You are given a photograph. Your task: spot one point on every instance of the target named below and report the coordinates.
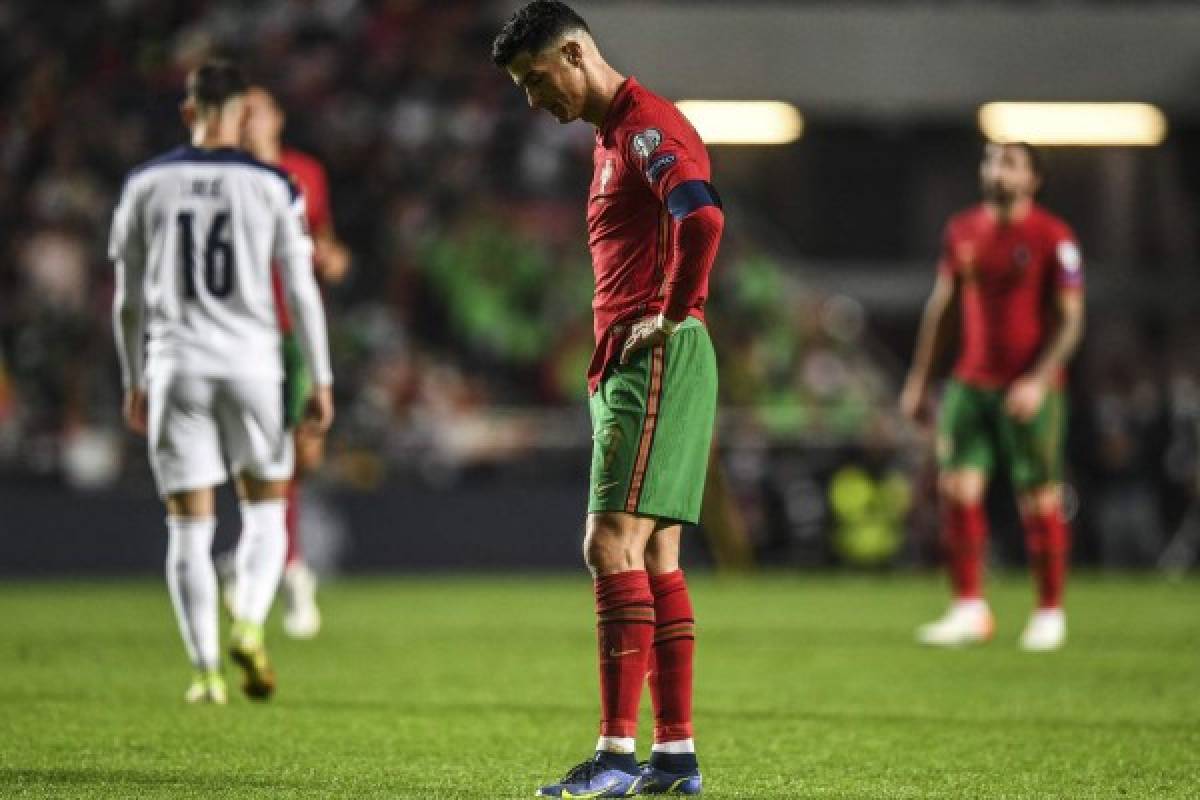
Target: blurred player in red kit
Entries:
(1012, 273)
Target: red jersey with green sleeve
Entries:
(308, 174)
(644, 149)
(1010, 274)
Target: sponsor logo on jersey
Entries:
(1021, 256)
(646, 142)
(658, 166)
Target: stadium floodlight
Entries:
(744, 122)
(1074, 124)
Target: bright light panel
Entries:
(737, 122)
(1089, 124)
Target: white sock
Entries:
(976, 605)
(678, 746)
(192, 584)
(261, 551)
(617, 744)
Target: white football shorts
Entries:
(202, 429)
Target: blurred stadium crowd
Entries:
(462, 335)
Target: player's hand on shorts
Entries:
(644, 333)
(318, 416)
(1025, 397)
(135, 410)
(912, 400)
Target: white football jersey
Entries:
(194, 238)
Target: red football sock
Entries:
(292, 520)
(964, 532)
(625, 632)
(671, 663)
(1048, 543)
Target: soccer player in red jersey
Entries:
(1013, 273)
(262, 135)
(654, 225)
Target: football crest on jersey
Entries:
(646, 142)
(1020, 256)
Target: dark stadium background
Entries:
(461, 337)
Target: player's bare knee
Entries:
(658, 562)
(257, 490)
(606, 554)
(662, 551)
(609, 546)
(1041, 500)
(191, 503)
(961, 488)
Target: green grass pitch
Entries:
(807, 687)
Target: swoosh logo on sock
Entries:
(613, 653)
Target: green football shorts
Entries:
(652, 426)
(975, 432)
(297, 381)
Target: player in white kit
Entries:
(194, 237)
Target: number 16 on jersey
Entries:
(219, 263)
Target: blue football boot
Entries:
(603, 775)
(671, 775)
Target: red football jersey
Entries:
(309, 175)
(644, 149)
(1010, 274)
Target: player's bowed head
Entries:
(549, 53)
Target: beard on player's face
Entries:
(998, 191)
(1004, 180)
(561, 98)
(995, 192)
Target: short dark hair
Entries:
(532, 28)
(215, 82)
(1036, 162)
